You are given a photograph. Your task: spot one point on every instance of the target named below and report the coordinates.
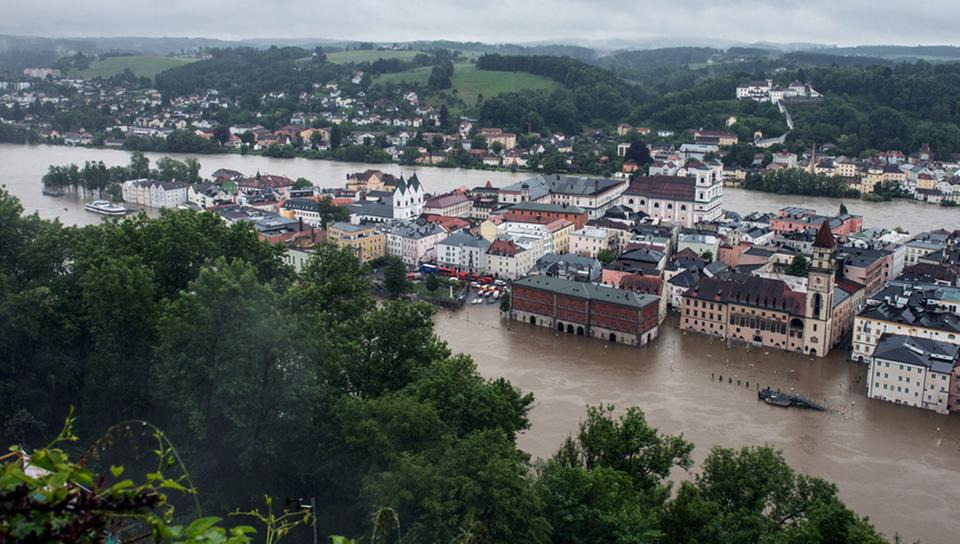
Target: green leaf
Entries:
(200, 525)
(116, 471)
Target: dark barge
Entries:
(776, 397)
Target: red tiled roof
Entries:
(649, 285)
(663, 187)
(506, 248)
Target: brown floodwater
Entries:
(890, 462)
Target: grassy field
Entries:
(343, 57)
(141, 66)
(470, 82)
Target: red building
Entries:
(805, 219)
(585, 309)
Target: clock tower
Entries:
(818, 314)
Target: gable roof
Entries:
(589, 291)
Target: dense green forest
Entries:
(591, 94)
(879, 107)
(269, 382)
(251, 72)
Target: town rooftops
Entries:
(933, 354)
(748, 290)
(464, 239)
(505, 248)
(547, 208)
(413, 230)
(371, 208)
(587, 291)
(302, 204)
(445, 201)
(911, 314)
(343, 226)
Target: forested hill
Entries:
(251, 71)
(591, 94)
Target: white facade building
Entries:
(912, 371)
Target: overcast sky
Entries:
(845, 22)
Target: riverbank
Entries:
(24, 165)
(889, 461)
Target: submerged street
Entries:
(900, 466)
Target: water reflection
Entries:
(883, 457)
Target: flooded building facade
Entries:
(585, 309)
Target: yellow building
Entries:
(847, 168)
(870, 179)
(560, 230)
(926, 181)
(488, 228)
(367, 241)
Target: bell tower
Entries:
(820, 284)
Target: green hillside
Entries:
(142, 66)
(343, 57)
(469, 81)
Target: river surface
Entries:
(890, 462)
(900, 466)
(21, 168)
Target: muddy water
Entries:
(21, 168)
(889, 461)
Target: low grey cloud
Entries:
(824, 21)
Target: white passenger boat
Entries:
(104, 207)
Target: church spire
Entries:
(825, 237)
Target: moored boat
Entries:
(53, 192)
(104, 207)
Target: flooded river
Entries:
(21, 168)
(890, 462)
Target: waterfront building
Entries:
(450, 204)
(905, 317)
(366, 241)
(593, 195)
(585, 309)
(768, 311)
(792, 219)
(155, 194)
(685, 200)
(913, 371)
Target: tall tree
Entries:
(395, 277)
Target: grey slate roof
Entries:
(913, 315)
(465, 239)
(588, 291)
(933, 354)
